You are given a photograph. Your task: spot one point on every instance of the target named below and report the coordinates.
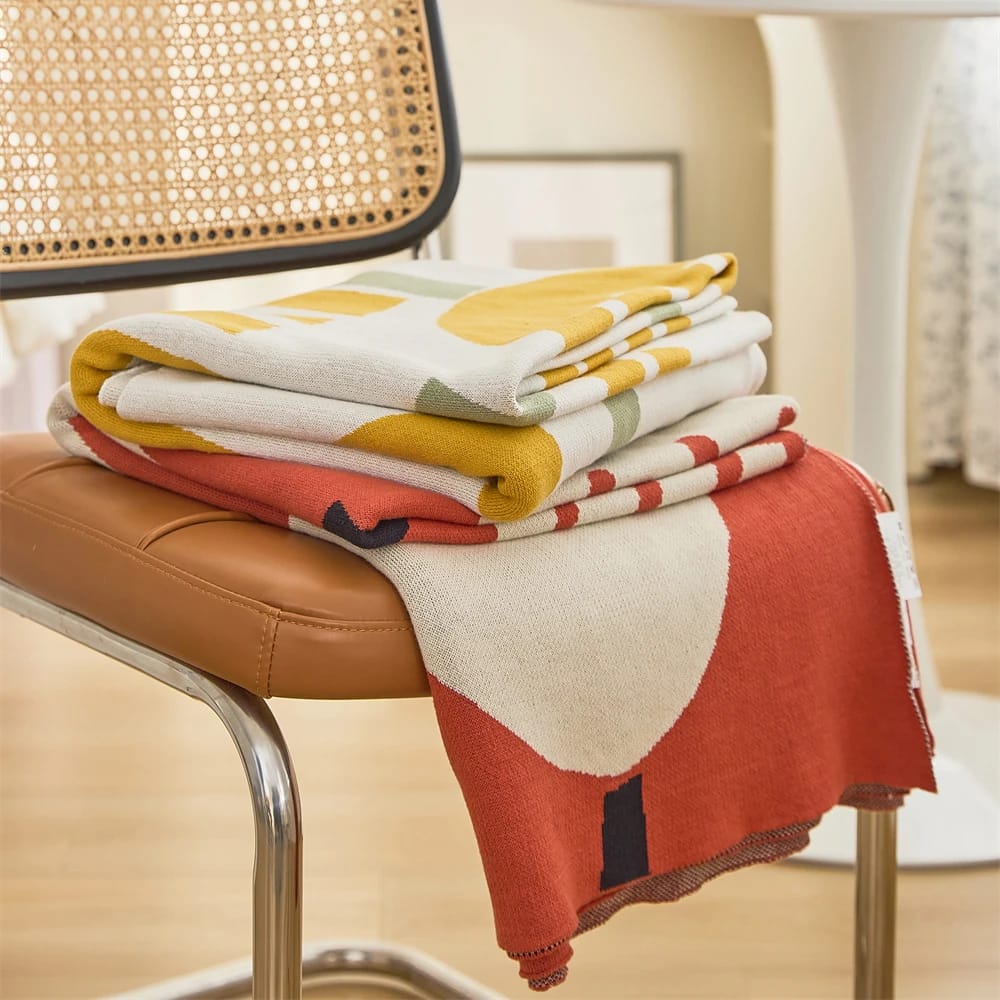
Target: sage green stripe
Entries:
(414, 285)
(436, 397)
(624, 410)
(537, 407)
(657, 314)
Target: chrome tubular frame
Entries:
(279, 961)
(875, 906)
(277, 876)
(369, 961)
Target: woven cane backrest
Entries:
(143, 142)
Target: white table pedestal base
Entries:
(958, 826)
(880, 70)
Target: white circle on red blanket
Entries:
(635, 664)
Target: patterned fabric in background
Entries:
(958, 263)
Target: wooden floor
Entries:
(125, 846)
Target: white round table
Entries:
(828, 8)
(879, 56)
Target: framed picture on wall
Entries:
(548, 212)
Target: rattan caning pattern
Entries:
(133, 130)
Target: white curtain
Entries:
(957, 261)
(31, 366)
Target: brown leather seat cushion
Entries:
(274, 611)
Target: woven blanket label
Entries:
(897, 548)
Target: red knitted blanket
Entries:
(806, 698)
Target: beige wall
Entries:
(544, 76)
(812, 351)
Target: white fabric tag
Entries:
(897, 548)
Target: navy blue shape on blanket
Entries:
(623, 834)
(338, 522)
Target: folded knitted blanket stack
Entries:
(436, 402)
(634, 708)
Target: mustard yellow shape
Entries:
(569, 303)
(670, 359)
(639, 338)
(102, 354)
(621, 375)
(227, 322)
(566, 373)
(523, 465)
(309, 320)
(339, 302)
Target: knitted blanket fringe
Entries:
(668, 887)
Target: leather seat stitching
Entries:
(350, 628)
(260, 659)
(69, 524)
(67, 461)
(270, 659)
(42, 514)
(188, 521)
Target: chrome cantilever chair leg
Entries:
(278, 963)
(875, 906)
(277, 888)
